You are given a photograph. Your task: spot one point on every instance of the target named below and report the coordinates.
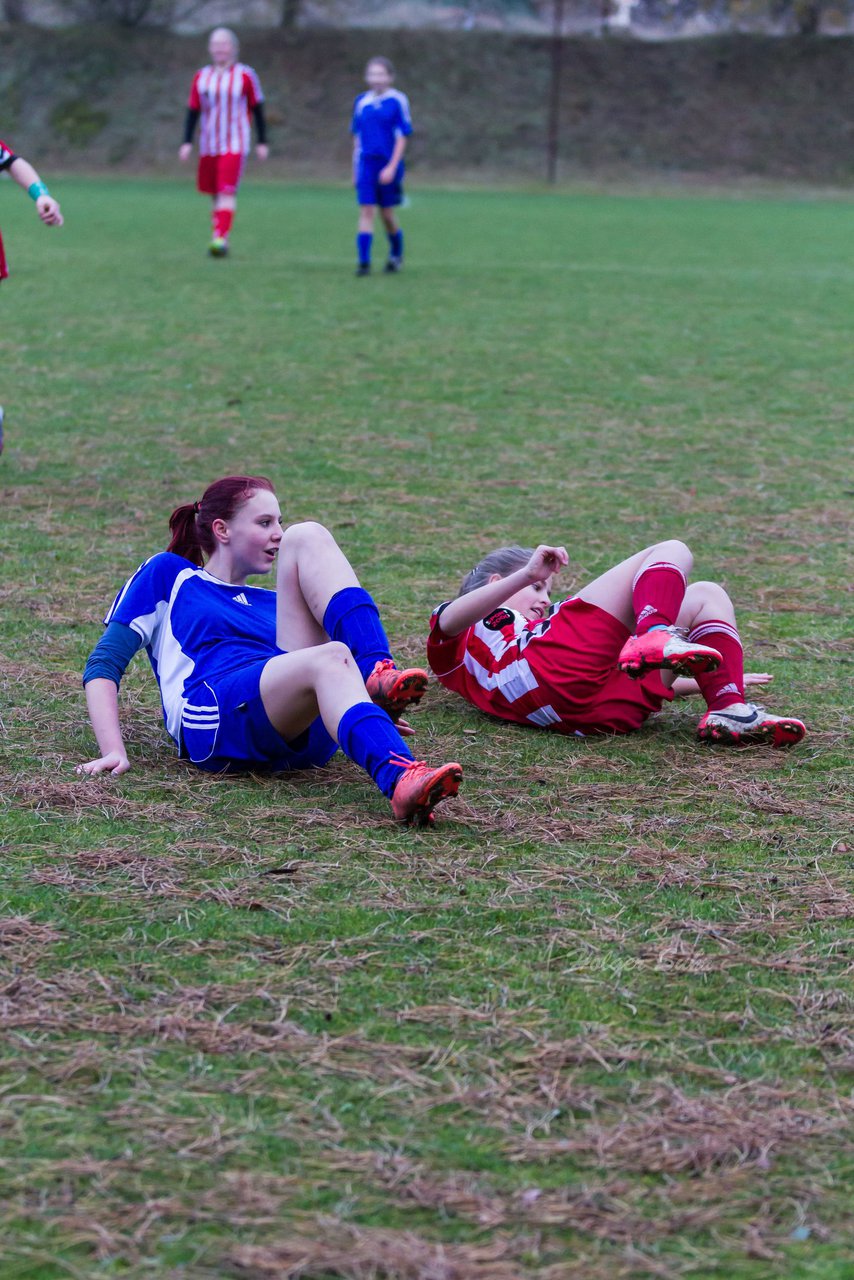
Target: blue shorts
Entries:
(369, 189)
(225, 729)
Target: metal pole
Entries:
(553, 135)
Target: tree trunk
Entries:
(290, 12)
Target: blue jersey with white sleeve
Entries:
(196, 629)
(379, 119)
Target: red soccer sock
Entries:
(221, 221)
(657, 594)
(724, 687)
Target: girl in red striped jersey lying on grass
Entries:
(606, 659)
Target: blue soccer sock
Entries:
(353, 618)
(395, 240)
(368, 737)
(364, 240)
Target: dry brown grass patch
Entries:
(669, 1132)
(358, 1253)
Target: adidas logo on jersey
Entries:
(240, 598)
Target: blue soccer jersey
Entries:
(379, 120)
(196, 629)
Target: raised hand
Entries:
(545, 561)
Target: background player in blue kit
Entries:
(262, 680)
(381, 125)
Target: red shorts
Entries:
(575, 660)
(220, 175)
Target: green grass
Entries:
(597, 1024)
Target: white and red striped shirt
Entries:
(553, 672)
(225, 96)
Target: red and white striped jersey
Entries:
(558, 673)
(225, 96)
(487, 663)
(7, 155)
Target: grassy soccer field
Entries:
(598, 1023)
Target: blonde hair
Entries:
(232, 35)
(503, 561)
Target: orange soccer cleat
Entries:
(748, 722)
(421, 788)
(396, 691)
(666, 649)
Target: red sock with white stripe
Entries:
(724, 687)
(222, 220)
(657, 594)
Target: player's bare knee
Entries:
(308, 533)
(676, 552)
(334, 654)
(326, 662)
(711, 593)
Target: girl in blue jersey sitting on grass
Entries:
(252, 679)
(381, 124)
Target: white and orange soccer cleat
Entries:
(748, 722)
(421, 788)
(394, 690)
(666, 649)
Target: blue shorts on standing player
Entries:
(369, 189)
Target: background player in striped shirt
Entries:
(605, 660)
(223, 94)
(380, 126)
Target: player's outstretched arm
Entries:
(102, 676)
(102, 698)
(25, 176)
(466, 610)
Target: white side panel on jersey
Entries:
(514, 681)
(174, 667)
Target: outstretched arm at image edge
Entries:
(27, 177)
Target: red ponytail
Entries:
(191, 525)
